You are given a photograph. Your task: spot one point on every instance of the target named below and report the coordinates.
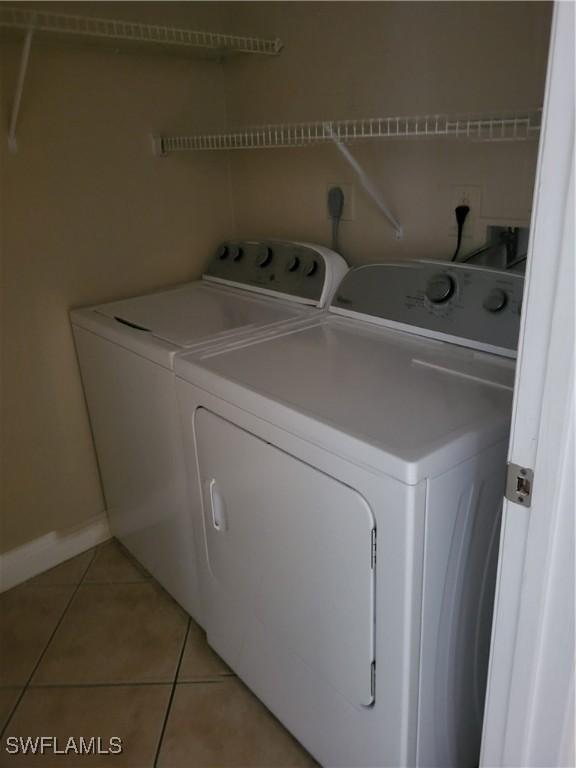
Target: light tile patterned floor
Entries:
(95, 647)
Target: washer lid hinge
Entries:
(519, 484)
(373, 549)
(373, 680)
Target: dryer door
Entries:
(290, 549)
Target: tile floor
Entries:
(95, 647)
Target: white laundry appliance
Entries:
(348, 479)
(126, 351)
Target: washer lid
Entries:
(190, 313)
(409, 406)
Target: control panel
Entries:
(299, 270)
(472, 306)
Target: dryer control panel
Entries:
(469, 305)
(300, 271)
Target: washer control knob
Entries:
(264, 258)
(311, 269)
(237, 253)
(495, 301)
(293, 264)
(222, 252)
(440, 288)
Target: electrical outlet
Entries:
(472, 197)
(349, 209)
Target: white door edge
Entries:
(529, 714)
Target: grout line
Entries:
(90, 583)
(207, 678)
(58, 623)
(128, 683)
(96, 548)
(172, 692)
(208, 681)
(108, 582)
(125, 684)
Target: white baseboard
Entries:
(22, 563)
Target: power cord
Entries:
(335, 208)
(461, 212)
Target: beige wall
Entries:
(2, 323)
(346, 60)
(90, 215)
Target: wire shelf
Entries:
(509, 127)
(114, 29)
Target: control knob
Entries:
(222, 252)
(237, 252)
(311, 269)
(264, 258)
(440, 288)
(293, 264)
(495, 301)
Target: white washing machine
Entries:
(126, 351)
(348, 479)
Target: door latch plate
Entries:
(519, 483)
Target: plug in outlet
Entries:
(472, 197)
(349, 209)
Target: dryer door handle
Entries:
(217, 507)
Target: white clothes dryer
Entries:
(126, 351)
(346, 481)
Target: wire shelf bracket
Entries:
(24, 59)
(369, 187)
(518, 126)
